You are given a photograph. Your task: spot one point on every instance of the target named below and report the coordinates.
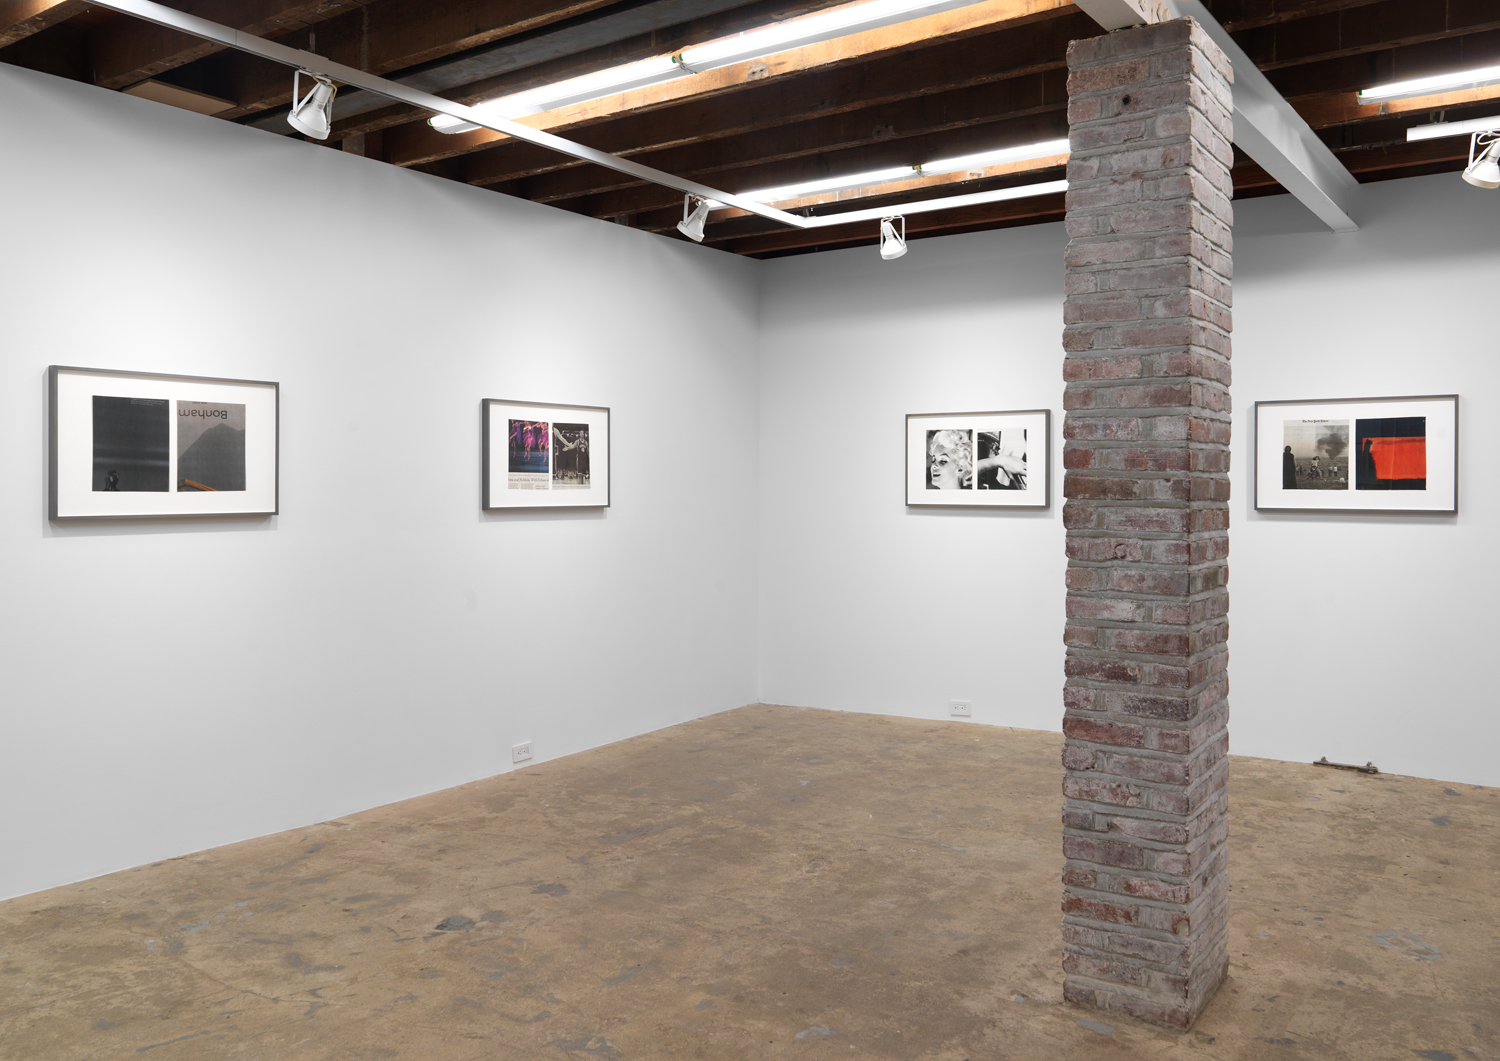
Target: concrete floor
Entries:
(769, 882)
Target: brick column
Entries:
(1146, 457)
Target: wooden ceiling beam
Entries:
(1374, 27)
(1353, 72)
(1239, 16)
(1001, 114)
(383, 37)
(821, 78)
(1027, 52)
(813, 166)
(19, 19)
(572, 49)
(1343, 109)
(125, 51)
(627, 135)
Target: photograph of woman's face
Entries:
(950, 460)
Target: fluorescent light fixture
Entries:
(923, 206)
(694, 216)
(996, 158)
(1432, 132)
(801, 32)
(1429, 86)
(898, 173)
(312, 115)
(892, 243)
(831, 184)
(750, 45)
(1483, 170)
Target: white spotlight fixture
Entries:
(694, 217)
(312, 115)
(892, 243)
(1429, 86)
(1483, 170)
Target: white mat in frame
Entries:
(150, 445)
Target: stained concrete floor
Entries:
(769, 882)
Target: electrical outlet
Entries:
(961, 708)
(520, 752)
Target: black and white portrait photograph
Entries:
(1375, 455)
(570, 456)
(981, 460)
(131, 444)
(154, 445)
(543, 455)
(1315, 455)
(950, 460)
(210, 446)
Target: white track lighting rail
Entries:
(294, 59)
(316, 64)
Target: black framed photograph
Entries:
(148, 445)
(543, 455)
(1386, 455)
(979, 460)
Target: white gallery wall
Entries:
(866, 604)
(168, 687)
(1362, 638)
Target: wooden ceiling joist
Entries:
(982, 77)
(19, 19)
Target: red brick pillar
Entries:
(1146, 459)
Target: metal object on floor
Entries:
(1368, 768)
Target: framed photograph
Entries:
(1357, 455)
(979, 460)
(540, 455)
(147, 445)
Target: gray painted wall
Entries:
(1355, 637)
(170, 687)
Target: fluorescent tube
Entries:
(831, 184)
(923, 206)
(1428, 86)
(898, 173)
(804, 31)
(750, 45)
(996, 158)
(1432, 132)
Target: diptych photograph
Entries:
(1358, 455)
(995, 459)
(131, 444)
(541, 455)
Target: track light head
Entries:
(892, 243)
(312, 115)
(694, 217)
(1483, 170)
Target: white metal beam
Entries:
(1265, 126)
(348, 75)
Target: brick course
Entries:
(1146, 460)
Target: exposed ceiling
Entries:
(987, 76)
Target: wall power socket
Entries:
(520, 752)
(961, 708)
